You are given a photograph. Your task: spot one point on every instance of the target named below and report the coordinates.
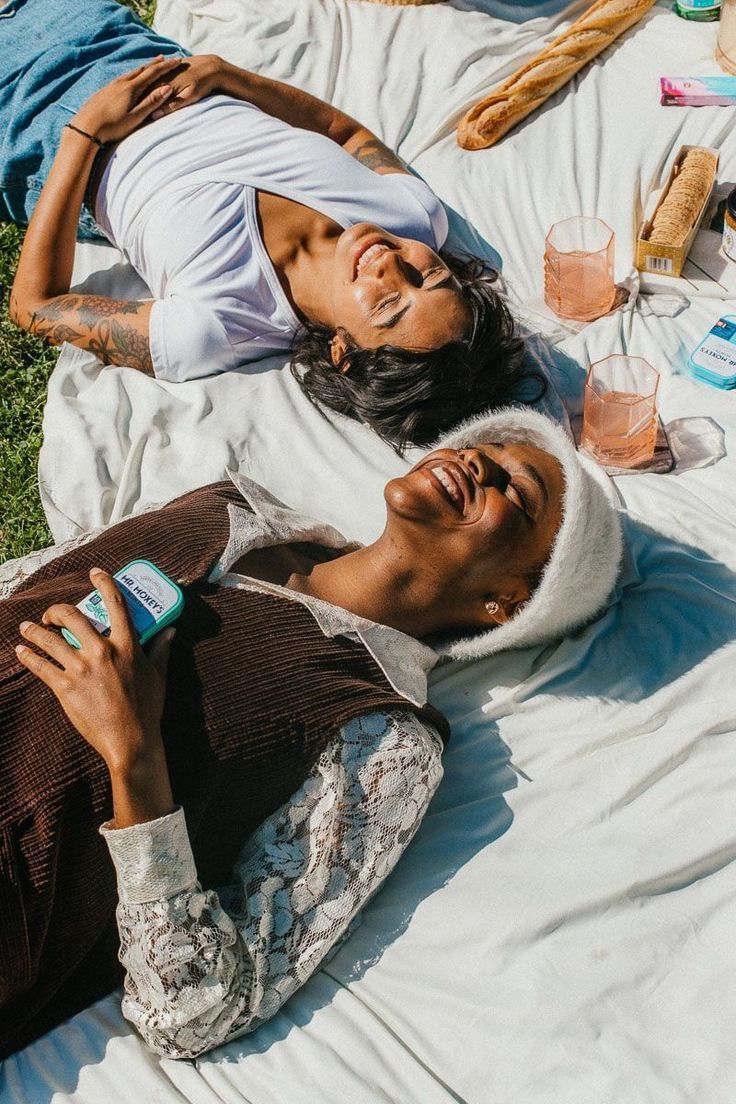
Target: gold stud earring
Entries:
(492, 607)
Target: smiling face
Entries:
(387, 290)
(480, 521)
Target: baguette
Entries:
(528, 88)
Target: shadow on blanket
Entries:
(519, 12)
(677, 607)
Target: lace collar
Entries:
(404, 660)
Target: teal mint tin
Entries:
(714, 359)
(153, 600)
(704, 11)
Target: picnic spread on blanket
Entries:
(559, 928)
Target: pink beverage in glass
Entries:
(620, 412)
(578, 268)
(726, 41)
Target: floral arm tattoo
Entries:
(374, 155)
(115, 330)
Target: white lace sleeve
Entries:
(203, 967)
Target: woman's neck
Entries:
(375, 583)
(300, 244)
(276, 563)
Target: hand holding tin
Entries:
(113, 694)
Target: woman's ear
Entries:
(338, 349)
(500, 608)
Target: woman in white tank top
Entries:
(263, 220)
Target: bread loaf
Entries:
(530, 86)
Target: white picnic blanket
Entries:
(561, 929)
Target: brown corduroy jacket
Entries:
(255, 693)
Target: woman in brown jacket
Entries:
(293, 727)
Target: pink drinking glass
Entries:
(620, 411)
(726, 41)
(578, 268)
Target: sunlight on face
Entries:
(478, 520)
(395, 291)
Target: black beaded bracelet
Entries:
(91, 137)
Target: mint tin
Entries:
(153, 600)
(714, 359)
(704, 11)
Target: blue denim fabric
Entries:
(53, 55)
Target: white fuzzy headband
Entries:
(585, 557)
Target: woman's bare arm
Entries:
(300, 109)
(206, 73)
(116, 330)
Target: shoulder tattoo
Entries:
(374, 155)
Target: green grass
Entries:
(25, 366)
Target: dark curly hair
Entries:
(411, 398)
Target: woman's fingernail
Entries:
(25, 625)
(95, 571)
(20, 649)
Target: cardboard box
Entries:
(668, 260)
(707, 271)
